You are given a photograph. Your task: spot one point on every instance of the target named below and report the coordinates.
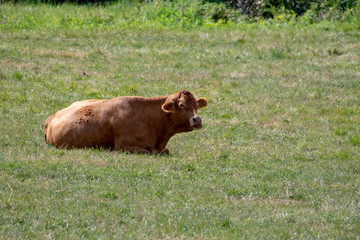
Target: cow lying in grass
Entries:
(134, 124)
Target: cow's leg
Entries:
(133, 149)
(137, 150)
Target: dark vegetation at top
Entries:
(225, 9)
(254, 8)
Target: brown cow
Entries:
(134, 124)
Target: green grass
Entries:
(278, 156)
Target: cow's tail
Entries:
(47, 133)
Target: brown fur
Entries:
(134, 124)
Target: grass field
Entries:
(278, 156)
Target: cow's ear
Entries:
(168, 107)
(201, 103)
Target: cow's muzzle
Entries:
(196, 122)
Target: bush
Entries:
(216, 12)
(267, 8)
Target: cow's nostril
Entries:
(197, 119)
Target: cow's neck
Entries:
(165, 128)
(166, 124)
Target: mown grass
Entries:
(278, 156)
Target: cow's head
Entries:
(183, 109)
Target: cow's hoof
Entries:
(165, 151)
